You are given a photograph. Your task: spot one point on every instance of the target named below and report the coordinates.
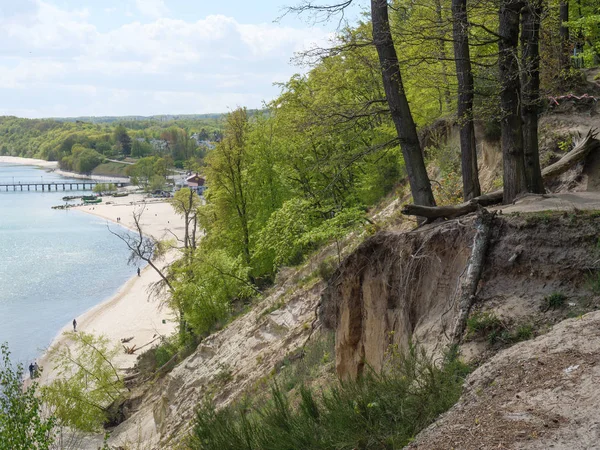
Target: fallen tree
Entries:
(474, 270)
(581, 150)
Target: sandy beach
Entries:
(28, 162)
(132, 312)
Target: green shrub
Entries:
(305, 364)
(523, 333)
(327, 267)
(593, 282)
(23, 425)
(379, 411)
(484, 324)
(556, 300)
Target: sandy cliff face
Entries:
(393, 288)
(398, 287)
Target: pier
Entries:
(54, 186)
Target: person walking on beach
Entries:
(74, 325)
(139, 272)
(31, 369)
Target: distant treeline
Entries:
(81, 145)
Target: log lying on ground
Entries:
(582, 148)
(579, 152)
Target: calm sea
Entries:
(54, 264)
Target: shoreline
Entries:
(52, 166)
(19, 161)
(130, 312)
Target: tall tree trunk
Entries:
(530, 84)
(564, 35)
(466, 87)
(445, 88)
(512, 133)
(398, 103)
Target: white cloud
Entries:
(152, 8)
(57, 58)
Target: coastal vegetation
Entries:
(379, 411)
(87, 383)
(23, 424)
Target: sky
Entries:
(68, 58)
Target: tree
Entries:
(143, 248)
(22, 423)
(185, 202)
(227, 171)
(87, 383)
(466, 87)
(530, 84)
(123, 140)
(510, 96)
(565, 55)
(399, 107)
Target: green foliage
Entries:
(105, 188)
(555, 300)
(523, 333)
(379, 411)
(23, 425)
(327, 267)
(87, 381)
(53, 139)
(307, 363)
(206, 287)
(280, 241)
(81, 159)
(482, 324)
(150, 172)
(593, 282)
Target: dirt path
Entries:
(568, 201)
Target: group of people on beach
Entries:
(118, 219)
(34, 370)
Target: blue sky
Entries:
(145, 57)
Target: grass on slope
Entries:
(379, 411)
(111, 169)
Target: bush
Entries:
(22, 426)
(484, 324)
(556, 300)
(380, 411)
(327, 267)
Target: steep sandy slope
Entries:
(540, 394)
(225, 364)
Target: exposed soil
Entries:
(540, 394)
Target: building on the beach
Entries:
(196, 182)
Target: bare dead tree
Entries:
(142, 247)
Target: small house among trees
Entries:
(196, 182)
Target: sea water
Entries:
(54, 264)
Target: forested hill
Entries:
(182, 138)
(157, 118)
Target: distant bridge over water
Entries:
(54, 186)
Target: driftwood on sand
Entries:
(581, 150)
